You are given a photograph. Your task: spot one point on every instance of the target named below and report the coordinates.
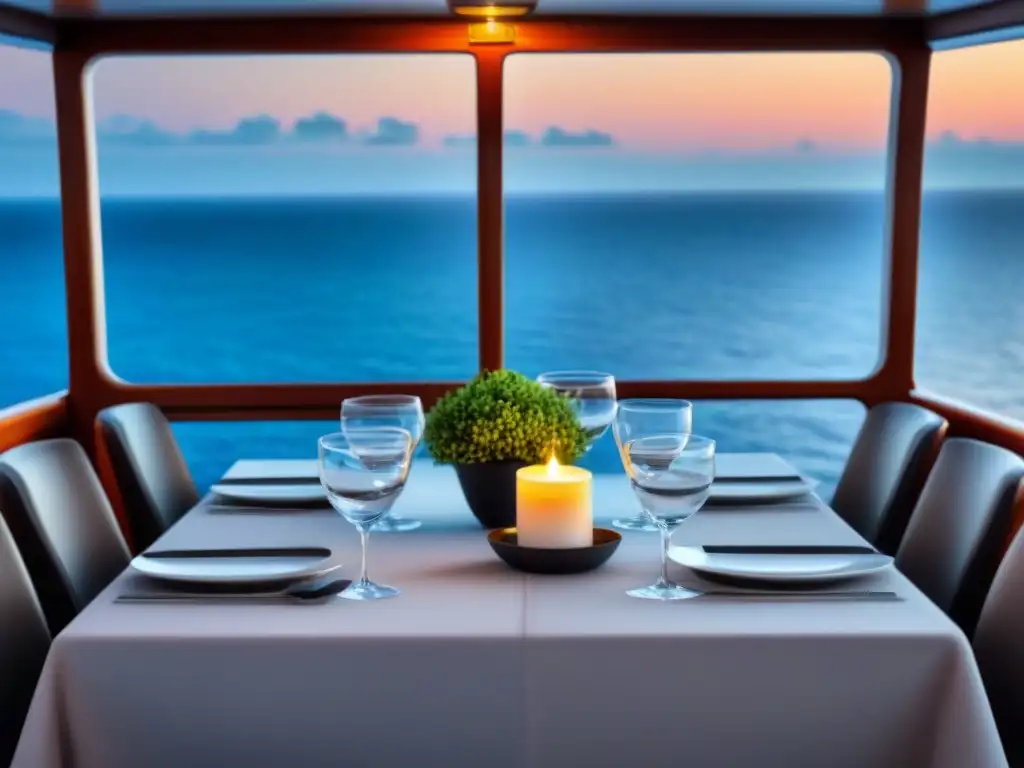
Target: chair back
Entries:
(67, 524)
(997, 646)
(151, 474)
(24, 642)
(961, 522)
(886, 470)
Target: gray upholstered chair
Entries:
(24, 642)
(956, 534)
(152, 477)
(66, 528)
(998, 639)
(886, 470)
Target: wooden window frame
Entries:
(38, 419)
(79, 41)
(94, 386)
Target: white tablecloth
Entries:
(478, 665)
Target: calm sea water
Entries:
(721, 286)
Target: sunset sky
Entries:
(659, 121)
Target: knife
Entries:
(787, 549)
(759, 479)
(307, 480)
(297, 593)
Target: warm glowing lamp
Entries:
(492, 32)
(491, 9)
(488, 18)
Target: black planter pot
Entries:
(490, 491)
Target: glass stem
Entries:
(364, 537)
(666, 538)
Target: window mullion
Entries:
(490, 209)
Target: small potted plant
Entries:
(499, 422)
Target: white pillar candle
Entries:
(554, 507)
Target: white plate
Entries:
(732, 492)
(264, 566)
(778, 566)
(265, 493)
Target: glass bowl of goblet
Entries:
(671, 476)
(363, 472)
(593, 397)
(645, 417)
(400, 411)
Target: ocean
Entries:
(731, 286)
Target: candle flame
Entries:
(552, 466)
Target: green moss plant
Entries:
(503, 416)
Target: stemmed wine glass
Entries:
(593, 396)
(638, 418)
(401, 411)
(672, 476)
(363, 472)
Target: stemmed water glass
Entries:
(592, 394)
(363, 472)
(637, 418)
(401, 411)
(672, 476)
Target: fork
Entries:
(296, 594)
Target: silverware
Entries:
(250, 509)
(779, 595)
(759, 479)
(245, 553)
(297, 594)
(305, 480)
(788, 549)
(761, 507)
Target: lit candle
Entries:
(553, 507)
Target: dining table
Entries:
(475, 664)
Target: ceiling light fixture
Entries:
(491, 10)
(488, 18)
(491, 32)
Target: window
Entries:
(33, 329)
(271, 219)
(682, 216)
(970, 334)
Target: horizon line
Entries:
(472, 194)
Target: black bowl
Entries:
(504, 541)
(490, 491)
